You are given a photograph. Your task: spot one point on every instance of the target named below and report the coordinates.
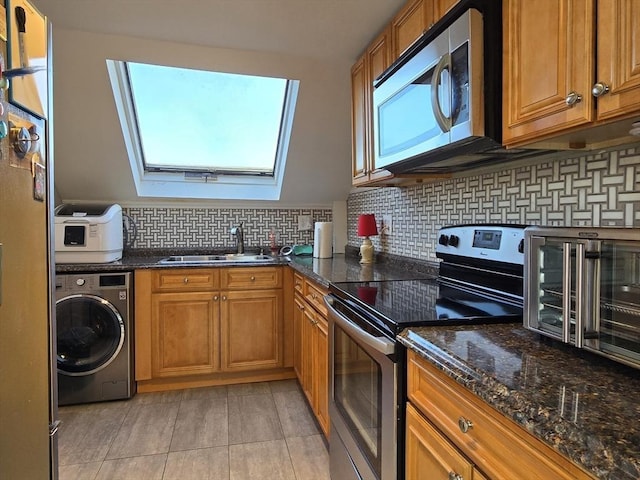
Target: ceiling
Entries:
(308, 28)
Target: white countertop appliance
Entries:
(88, 233)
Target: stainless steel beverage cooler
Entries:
(582, 286)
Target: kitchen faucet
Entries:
(239, 234)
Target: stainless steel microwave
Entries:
(438, 108)
(582, 286)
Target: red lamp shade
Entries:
(367, 225)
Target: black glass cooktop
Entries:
(401, 303)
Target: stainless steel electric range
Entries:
(480, 281)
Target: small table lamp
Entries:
(367, 227)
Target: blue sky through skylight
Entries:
(194, 119)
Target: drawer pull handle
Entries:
(455, 476)
(464, 424)
(253, 279)
(186, 280)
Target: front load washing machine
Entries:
(94, 337)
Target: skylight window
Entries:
(204, 129)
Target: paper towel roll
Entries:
(323, 240)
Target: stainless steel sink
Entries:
(229, 258)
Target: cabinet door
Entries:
(543, 69)
(618, 61)
(251, 329)
(298, 319)
(359, 124)
(429, 454)
(308, 330)
(440, 7)
(378, 60)
(184, 330)
(409, 24)
(321, 372)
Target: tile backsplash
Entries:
(209, 227)
(595, 188)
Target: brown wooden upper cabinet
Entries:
(415, 17)
(407, 26)
(561, 84)
(372, 63)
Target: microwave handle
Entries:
(443, 121)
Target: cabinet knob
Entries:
(224, 297)
(455, 476)
(599, 89)
(215, 298)
(186, 280)
(573, 98)
(464, 424)
(253, 279)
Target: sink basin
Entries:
(232, 257)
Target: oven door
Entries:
(363, 399)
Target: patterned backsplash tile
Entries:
(600, 189)
(210, 227)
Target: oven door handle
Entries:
(380, 344)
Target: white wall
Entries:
(91, 162)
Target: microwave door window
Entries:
(406, 119)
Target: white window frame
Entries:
(206, 186)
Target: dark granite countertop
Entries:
(339, 268)
(583, 405)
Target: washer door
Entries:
(90, 334)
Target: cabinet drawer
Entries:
(314, 294)
(298, 282)
(499, 446)
(428, 451)
(186, 279)
(251, 278)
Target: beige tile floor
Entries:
(260, 431)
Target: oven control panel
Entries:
(503, 243)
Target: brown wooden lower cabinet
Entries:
(311, 350)
(209, 326)
(251, 329)
(184, 333)
(492, 443)
(429, 455)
